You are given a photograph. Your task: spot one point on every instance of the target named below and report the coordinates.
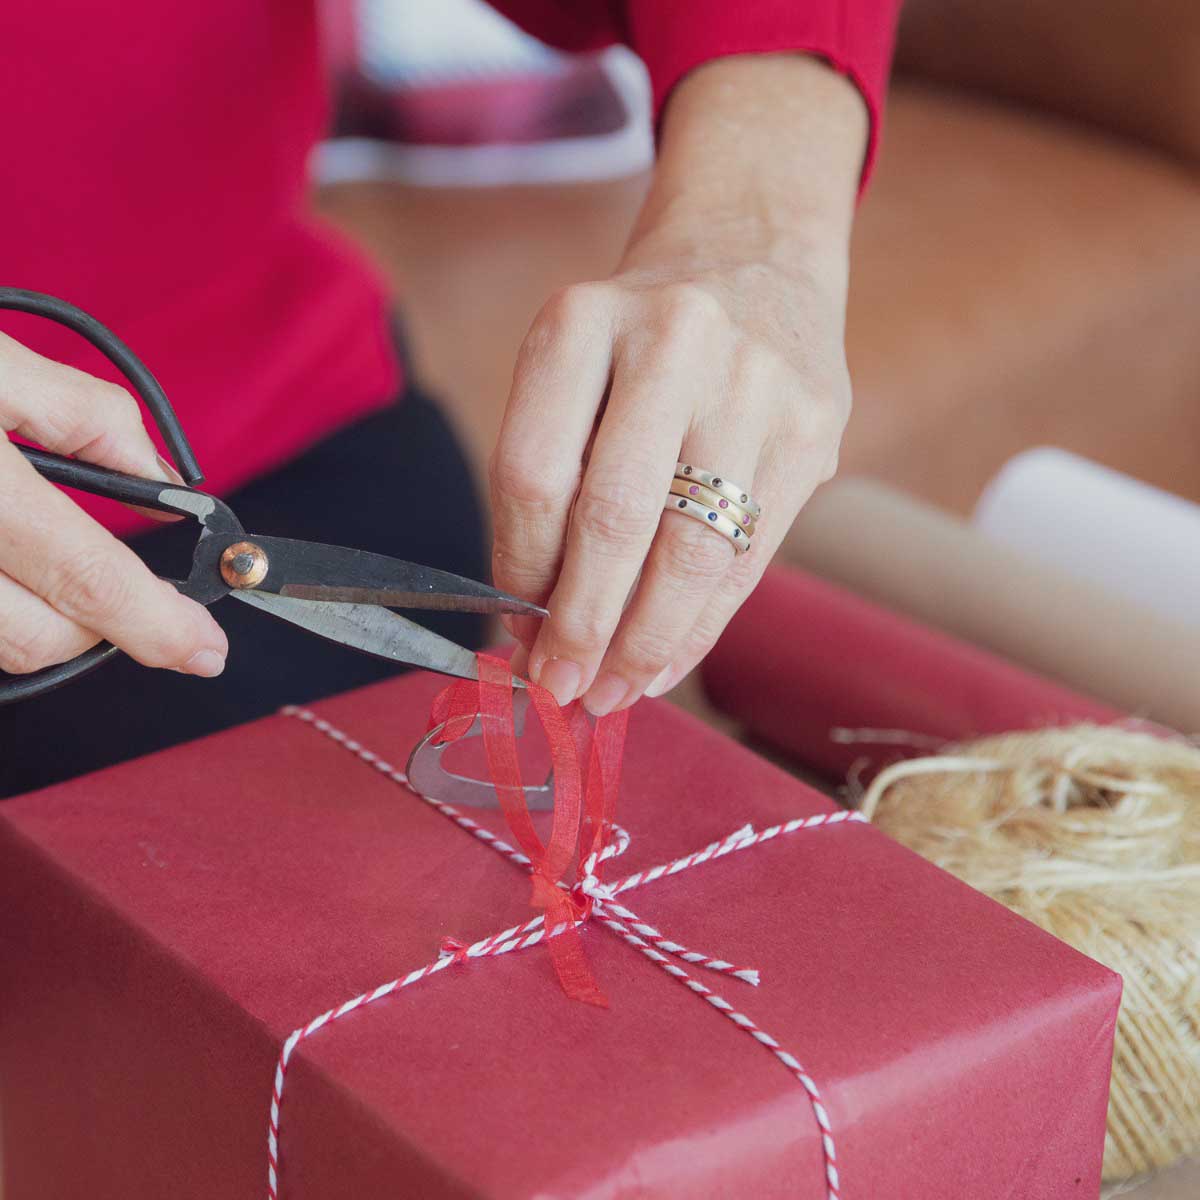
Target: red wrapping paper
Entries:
(804, 657)
(167, 923)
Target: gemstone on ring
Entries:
(683, 504)
(698, 485)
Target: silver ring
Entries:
(727, 528)
(731, 491)
(706, 496)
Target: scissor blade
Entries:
(372, 630)
(310, 571)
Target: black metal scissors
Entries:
(332, 591)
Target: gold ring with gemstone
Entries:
(731, 491)
(714, 500)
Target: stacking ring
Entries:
(719, 503)
(713, 500)
(726, 527)
(730, 491)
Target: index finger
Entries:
(48, 544)
(70, 412)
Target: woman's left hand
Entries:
(718, 342)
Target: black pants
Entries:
(396, 483)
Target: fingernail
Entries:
(206, 663)
(605, 694)
(663, 682)
(561, 678)
(169, 474)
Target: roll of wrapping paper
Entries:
(935, 568)
(804, 658)
(1094, 523)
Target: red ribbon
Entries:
(587, 771)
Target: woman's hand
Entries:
(717, 342)
(65, 582)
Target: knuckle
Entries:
(521, 479)
(816, 424)
(117, 404)
(759, 371)
(691, 556)
(580, 630)
(571, 312)
(686, 309)
(839, 402)
(614, 512)
(740, 580)
(645, 650)
(576, 306)
(22, 652)
(522, 569)
(83, 417)
(111, 419)
(90, 586)
(63, 425)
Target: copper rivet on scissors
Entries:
(244, 565)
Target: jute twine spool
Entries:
(1094, 834)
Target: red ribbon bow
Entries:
(587, 771)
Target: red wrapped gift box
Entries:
(169, 922)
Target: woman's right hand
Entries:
(65, 581)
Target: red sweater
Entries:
(156, 176)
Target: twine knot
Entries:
(452, 948)
(587, 892)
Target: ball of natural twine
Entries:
(1094, 834)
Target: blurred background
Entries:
(1026, 263)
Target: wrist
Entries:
(762, 148)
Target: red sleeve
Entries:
(673, 36)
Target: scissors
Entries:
(334, 592)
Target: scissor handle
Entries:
(103, 482)
(210, 512)
(24, 687)
(132, 489)
(124, 359)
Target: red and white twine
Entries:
(610, 914)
